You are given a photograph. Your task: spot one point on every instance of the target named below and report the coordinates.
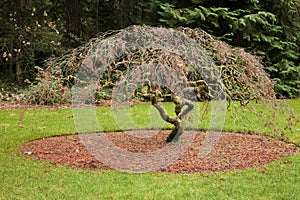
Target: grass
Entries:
(23, 178)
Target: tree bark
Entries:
(73, 22)
(177, 121)
(23, 3)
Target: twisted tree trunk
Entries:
(180, 113)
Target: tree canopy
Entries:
(182, 66)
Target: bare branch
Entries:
(187, 110)
(164, 115)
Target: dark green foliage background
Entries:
(33, 31)
(269, 28)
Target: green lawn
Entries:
(23, 178)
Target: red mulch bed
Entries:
(232, 151)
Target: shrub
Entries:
(48, 88)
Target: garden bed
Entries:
(232, 151)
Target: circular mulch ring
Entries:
(232, 151)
